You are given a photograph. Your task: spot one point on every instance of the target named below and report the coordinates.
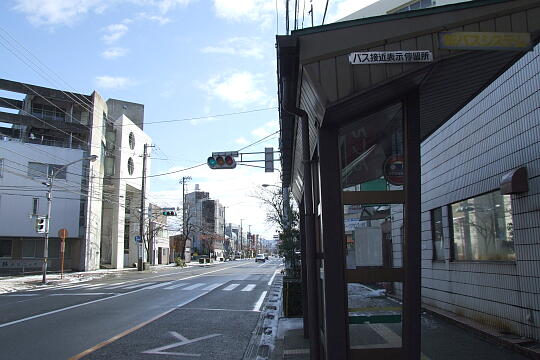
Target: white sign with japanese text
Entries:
(390, 57)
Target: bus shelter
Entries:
(356, 100)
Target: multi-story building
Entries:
(96, 202)
(205, 221)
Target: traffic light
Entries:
(169, 213)
(41, 224)
(222, 161)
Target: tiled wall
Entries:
(496, 132)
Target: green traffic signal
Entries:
(211, 162)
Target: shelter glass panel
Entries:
(373, 235)
(374, 316)
(372, 152)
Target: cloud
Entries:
(165, 6)
(241, 140)
(261, 11)
(114, 32)
(113, 53)
(57, 12)
(240, 46)
(111, 82)
(157, 18)
(265, 130)
(239, 89)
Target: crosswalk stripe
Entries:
(248, 287)
(158, 285)
(194, 286)
(140, 285)
(176, 286)
(231, 287)
(117, 286)
(213, 286)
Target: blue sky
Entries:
(181, 59)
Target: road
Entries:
(205, 312)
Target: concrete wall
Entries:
(16, 203)
(496, 132)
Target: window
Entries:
(482, 228)
(131, 141)
(39, 170)
(437, 234)
(130, 166)
(35, 206)
(126, 238)
(5, 248)
(32, 248)
(1, 168)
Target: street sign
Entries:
(471, 40)
(138, 238)
(390, 57)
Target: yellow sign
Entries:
(485, 41)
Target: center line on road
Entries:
(259, 302)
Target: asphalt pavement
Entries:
(207, 312)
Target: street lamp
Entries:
(49, 184)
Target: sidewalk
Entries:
(445, 336)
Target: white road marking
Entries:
(109, 298)
(21, 295)
(116, 286)
(248, 287)
(81, 294)
(231, 287)
(158, 285)
(183, 341)
(213, 286)
(194, 286)
(175, 286)
(140, 285)
(272, 278)
(259, 302)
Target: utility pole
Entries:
(224, 239)
(141, 223)
(184, 225)
(241, 242)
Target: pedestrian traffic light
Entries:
(41, 224)
(169, 213)
(222, 161)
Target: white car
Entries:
(260, 257)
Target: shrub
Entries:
(180, 262)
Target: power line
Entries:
(258, 141)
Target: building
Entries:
(205, 224)
(418, 167)
(96, 202)
(158, 236)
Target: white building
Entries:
(98, 203)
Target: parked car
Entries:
(260, 257)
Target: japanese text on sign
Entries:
(390, 57)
